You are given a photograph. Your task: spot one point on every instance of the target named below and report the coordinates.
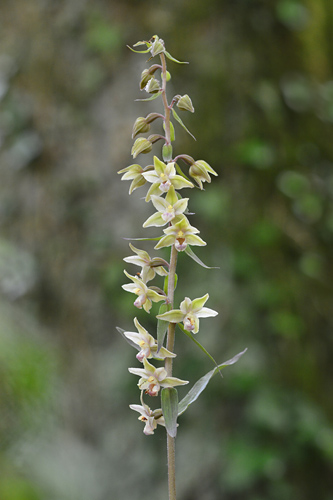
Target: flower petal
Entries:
(173, 316)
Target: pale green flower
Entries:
(147, 343)
(134, 173)
(163, 177)
(145, 294)
(200, 171)
(152, 379)
(149, 266)
(180, 234)
(169, 208)
(189, 313)
(150, 417)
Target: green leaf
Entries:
(180, 172)
(169, 400)
(202, 383)
(162, 326)
(190, 253)
(179, 120)
(143, 239)
(189, 334)
(166, 281)
(172, 131)
(151, 98)
(121, 331)
(138, 51)
(169, 56)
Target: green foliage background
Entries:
(261, 80)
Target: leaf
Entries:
(189, 334)
(202, 383)
(166, 281)
(121, 331)
(151, 98)
(162, 326)
(138, 51)
(169, 400)
(169, 56)
(143, 239)
(179, 170)
(179, 120)
(190, 253)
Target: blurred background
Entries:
(261, 80)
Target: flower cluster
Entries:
(166, 180)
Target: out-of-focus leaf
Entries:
(151, 98)
(190, 253)
(180, 121)
(121, 331)
(201, 384)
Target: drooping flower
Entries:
(200, 171)
(149, 266)
(169, 208)
(147, 343)
(145, 294)
(152, 379)
(150, 417)
(189, 313)
(163, 177)
(134, 173)
(180, 234)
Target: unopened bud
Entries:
(140, 126)
(141, 145)
(153, 86)
(147, 74)
(185, 103)
(168, 76)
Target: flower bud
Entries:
(147, 74)
(185, 103)
(141, 145)
(153, 86)
(200, 171)
(168, 76)
(157, 47)
(140, 126)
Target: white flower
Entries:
(189, 313)
(152, 379)
(150, 417)
(147, 343)
(145, 294)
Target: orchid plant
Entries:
(166, 179)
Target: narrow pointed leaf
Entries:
(169, 400)
(190, 253)
(202, 383)
(180, 172)
(138, 51)
(189, 334)
(180, 121)
(169, 56)
(121, 331)
(143, 239)
(162, 326)
(151, 98)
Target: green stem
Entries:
(171, 290)
(165, 101)
(168, 367)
